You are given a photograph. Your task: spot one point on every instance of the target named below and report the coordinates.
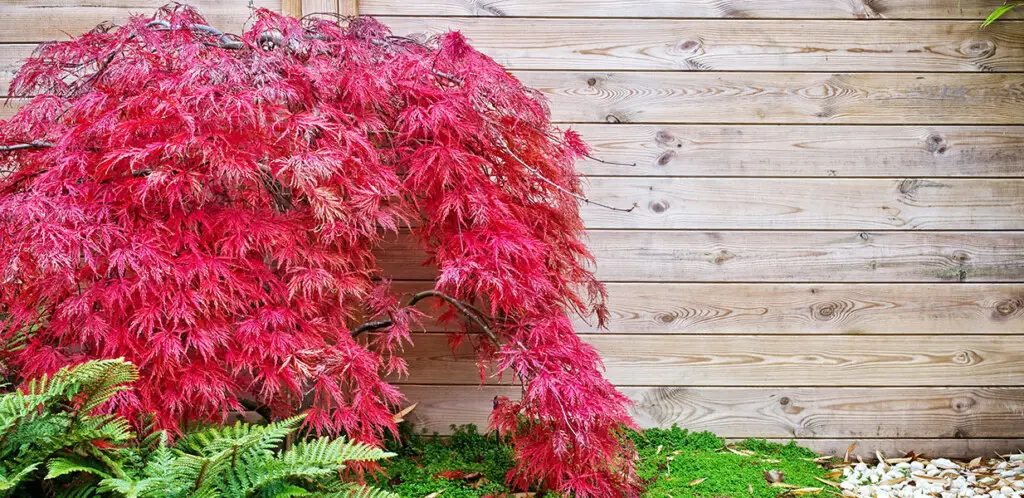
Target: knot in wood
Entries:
(936, 144)
(909, 186)
(784, 400)
(658, 206)
(667, 318)
(825, 311)
(666, 157)
(689, 45)
(723, 256)
(613, 119)
(961, 256)
(591, 81)
(1007, 308)
(965, 358)
(978, 48)
(961, 404)
(664, 137)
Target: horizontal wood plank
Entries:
(781, 98)
(771, 412)
(964, 449)
(758, 361)
(724, 45)
(777, 98)
(863, 309)
(736, 9)
(804, 150)
(774, 256)
(860, 204)
(11, 58)
(29, 21)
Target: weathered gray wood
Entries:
(804, 150)
(862, 309)
(732, 412)
(11, 58)
(662, 9)
(781, 98)
(773, 256)
(759, 361)
(950, 448)
(42, 20)
(710, 45)
(754, 203)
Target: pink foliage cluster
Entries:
(208, 207)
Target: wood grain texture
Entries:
(862, 309)
(781, 98)
(804, 150)
(771, 412)
(314, 6)
(861, 204)
(778, 256)
(736, 9)
(348, 7)
(964, 449)
(716, 45)
(42, 20)
(759, 361)
(11, 58)
(9, 106)
(292, 7)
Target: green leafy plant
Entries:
(246, 460)
(999, 12)
(50, 419)
(673, 463)
(51, 425)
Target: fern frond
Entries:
(327, 451)
(9, 482)
(353, 490)
(62, 466)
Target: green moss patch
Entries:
(674, 463)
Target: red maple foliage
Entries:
(207, 206)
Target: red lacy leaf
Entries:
(209, 207)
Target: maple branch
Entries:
(547, 180)
(467, 310)
(35, 144)
(371, 326)
(224, 40)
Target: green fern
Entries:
(49, 425)
(248, 460)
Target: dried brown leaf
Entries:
(400, 416)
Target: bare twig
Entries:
(605, 161)
(467, 310)
(545, 179)
(35, 144)
(224, 40)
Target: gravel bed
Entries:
(914, 477)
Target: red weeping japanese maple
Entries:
(208, 207)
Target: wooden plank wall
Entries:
(830, 240)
